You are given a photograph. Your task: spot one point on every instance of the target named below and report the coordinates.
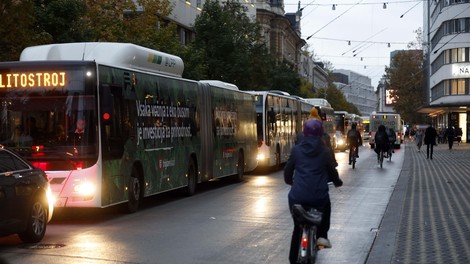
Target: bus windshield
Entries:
(49, 116)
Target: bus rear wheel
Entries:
(240, 167)
(192, 178)
(134, 192)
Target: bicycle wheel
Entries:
(308, 245)
(313, 247)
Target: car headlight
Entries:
(50, 201)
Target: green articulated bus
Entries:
(112, 123)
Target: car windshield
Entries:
(53, 125)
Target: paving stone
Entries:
(435, 222)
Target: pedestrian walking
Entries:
(450, 134)
(419, 138)
(430, 135)
(458, 134)
(441, 134)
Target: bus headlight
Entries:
(260, 156)
(85, 188)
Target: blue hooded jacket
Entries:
(309, 169)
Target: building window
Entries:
(458, 55)
(461, 86)
(458, 86)
(461, 55)
(447, 56)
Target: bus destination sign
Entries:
(32, 79)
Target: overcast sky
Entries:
(366, 24)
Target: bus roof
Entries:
(287, 95)
(383, 113)
(220, 84)
(125, 55)
(318, 101)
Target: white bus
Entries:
(366, 127)
(388, 120)
(111, 123)
(343, 121)
(280, 118)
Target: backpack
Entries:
(352, 133)
(380, 138)
(352, 136)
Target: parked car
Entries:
(26, 204)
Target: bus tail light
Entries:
(78, 165)
(41, 165)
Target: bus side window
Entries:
(111, 125)
(106, 98)
(272, 118)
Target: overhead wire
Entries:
(340, 15)
(365, 3)
(361, 46)
(353, 48)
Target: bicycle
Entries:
(308, 220)
(390, 151)
(381, 158)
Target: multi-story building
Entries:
(384, 92)
(357, 89)
(384, 103)
(281, 31)
(447, 39)
(313, 72)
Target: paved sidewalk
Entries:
(428, 217)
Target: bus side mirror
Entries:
(106, 103)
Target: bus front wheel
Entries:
(278, 158)
(134, 192)
(192, 178)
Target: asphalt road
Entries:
(225, 222)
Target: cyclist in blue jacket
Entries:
(314, 167)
